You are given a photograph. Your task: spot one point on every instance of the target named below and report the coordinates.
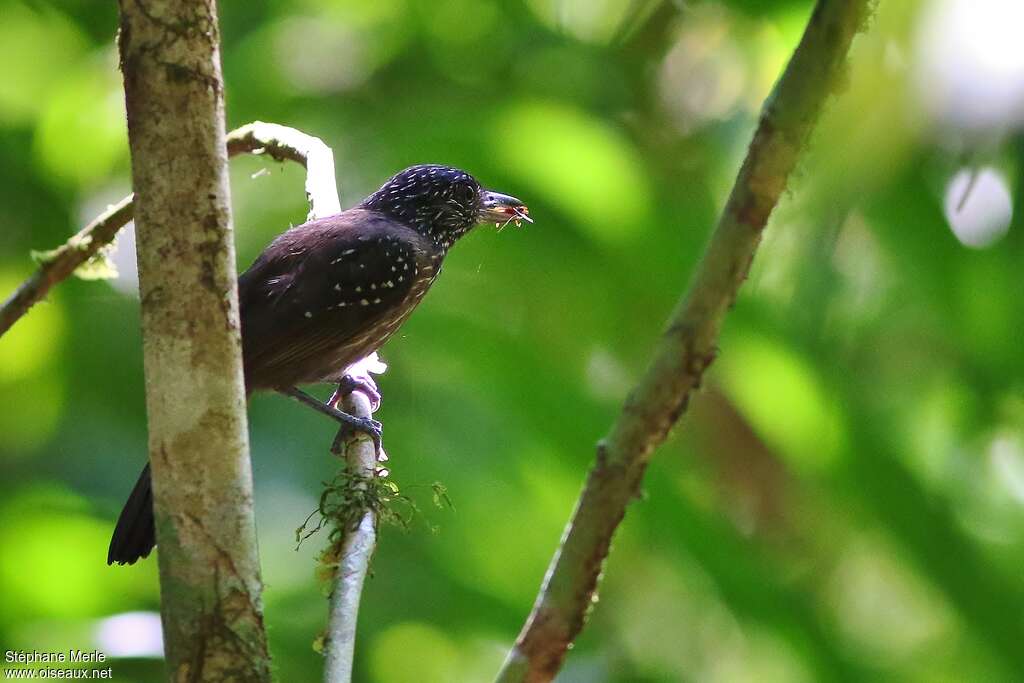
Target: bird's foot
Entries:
(350, 424)
(365, 385)
(361, 383)
(369, 427)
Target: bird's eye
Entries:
(465, 192)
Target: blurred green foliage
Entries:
(844, 500)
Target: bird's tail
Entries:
(135, 534)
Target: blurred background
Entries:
(845, 498)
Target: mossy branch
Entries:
(60, 263)
(353, 549)
(688, 344)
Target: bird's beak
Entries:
(502, 209)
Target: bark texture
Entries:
(195, 396)
(687, 346)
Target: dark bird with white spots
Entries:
(328, 293)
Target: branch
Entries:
(211, 602)
(356, 551)
(279, 142)
(688, 345)
(62, 262)
(282, 142)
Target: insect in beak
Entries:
(501, 209)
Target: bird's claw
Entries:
(359, 425)
(349, 383)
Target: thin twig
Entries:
(688, 345)
(279, 142)
(357, 548)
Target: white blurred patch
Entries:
(881, 606)
(970, 63)
(703, 76)
(1006, 455)
(594, 21)
(978, 206)
(131, 634)
(362, 369)
(607, 379)
(124, 258)
(321, 57)
(866, 276)
(123, 253)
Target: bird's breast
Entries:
(383, 319)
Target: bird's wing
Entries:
(321, 288)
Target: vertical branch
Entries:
(195, 395)
(688, 345)
(356, 551)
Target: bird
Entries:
(326, 294)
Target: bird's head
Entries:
(443, 203)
